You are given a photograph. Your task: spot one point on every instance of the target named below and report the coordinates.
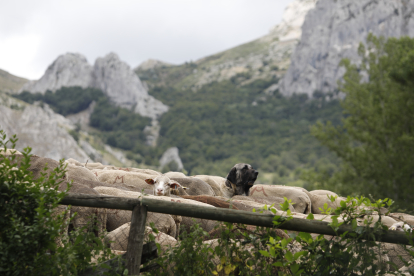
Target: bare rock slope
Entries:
(40, 128)
(332, 31)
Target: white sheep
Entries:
(162, 187)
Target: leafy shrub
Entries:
(188, 258)
(33, 238)
(241, 250)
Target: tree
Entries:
(376, 139)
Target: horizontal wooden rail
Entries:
(220, 214)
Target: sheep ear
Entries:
(174, 185)
(150, 181)
(232, 176)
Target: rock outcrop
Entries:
(113, 76)
(171, 156)
(332, 31)
(70, 69)
(40, 128)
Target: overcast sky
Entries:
(34, 32)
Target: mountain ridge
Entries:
(109, 74)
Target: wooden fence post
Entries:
(136, 239)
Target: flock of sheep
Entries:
(235, 191)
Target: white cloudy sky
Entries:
(34, 32)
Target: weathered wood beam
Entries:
(136, 239)
(220, 214)
(110, 202)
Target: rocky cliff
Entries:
(113, 76)
(40, 128)
(332, 31)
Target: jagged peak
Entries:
(290, 28)
(111, 56)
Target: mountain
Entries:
(113, 76)
(332, 31)
(10, 83)
(264, 58)
(230, 107)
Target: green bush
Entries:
(33, 238)
(243, 250)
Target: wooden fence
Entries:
(141, 206)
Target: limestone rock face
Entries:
(332, 31)
(292, 20)
(70, 69)
(113, 76)
(40, 128)
(123, 86)
(169, 156)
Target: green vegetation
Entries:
(33, 236)
(65, 101)
(120, 127)
(214, 128)
(236, 249)
(224, 123)
(376, 140)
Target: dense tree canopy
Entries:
(376, 139)
(224, 123)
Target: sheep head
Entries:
(162, 185)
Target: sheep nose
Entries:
(256, 173)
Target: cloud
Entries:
(173, 31)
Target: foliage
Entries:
(222, 124)
(121, 128)
(32, 236)
(353, 253)
(189, 258)
(66, 100)
(376, 138)
(242, 250)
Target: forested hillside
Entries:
(221, 124)
(224, 123)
